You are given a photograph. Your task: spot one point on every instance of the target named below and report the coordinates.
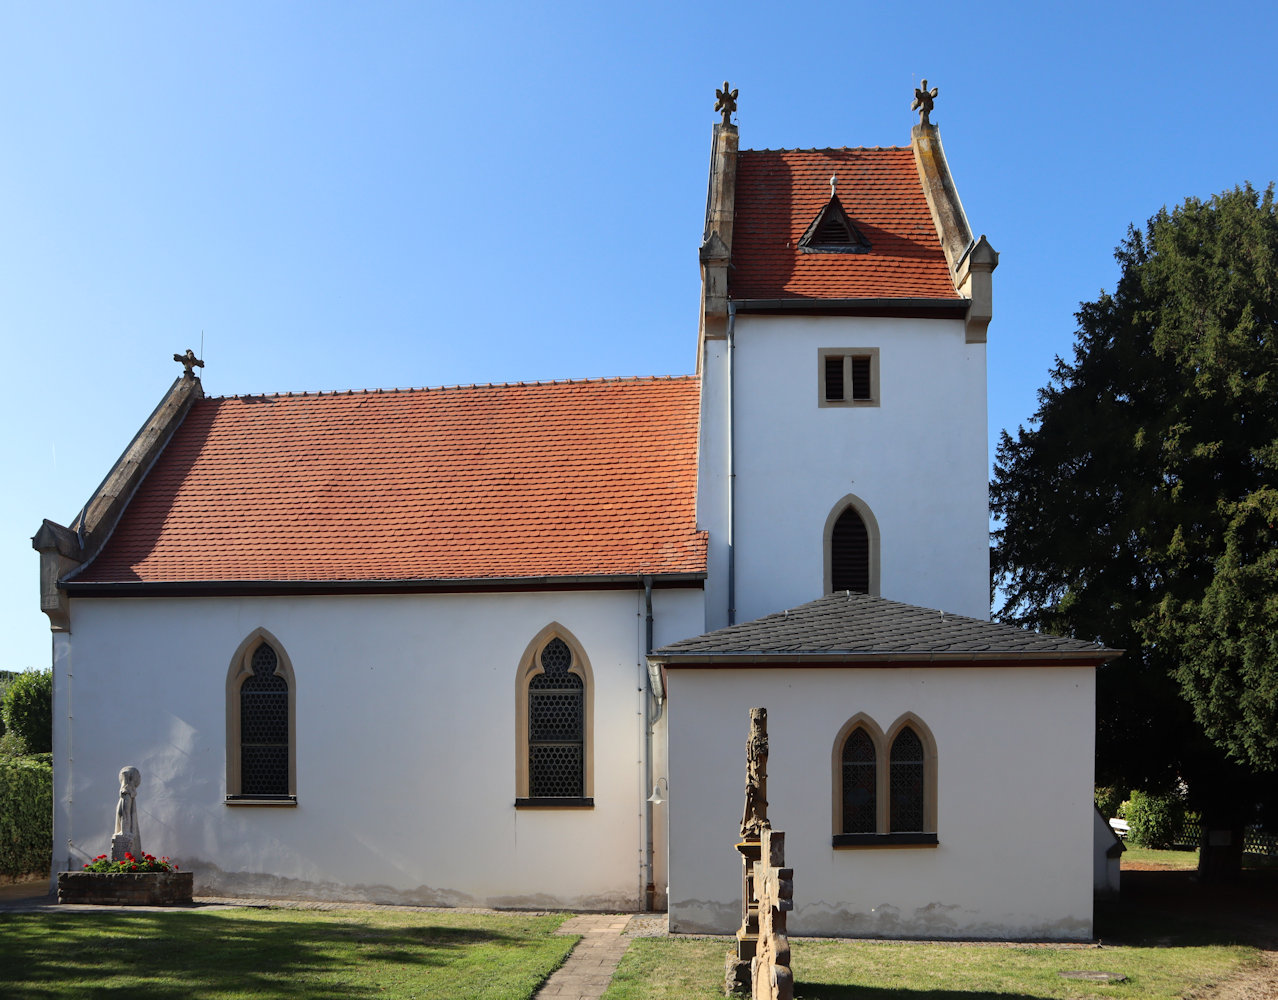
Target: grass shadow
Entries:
(183, 954)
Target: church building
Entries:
(496, 645)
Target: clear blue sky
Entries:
(402, 194)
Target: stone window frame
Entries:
(240, 669)
(882, 741)
(848, 353)
(530, 667)
(872, 532)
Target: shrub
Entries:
(28, 709)
(1155, 820)
(1109, 800)
(26, 815)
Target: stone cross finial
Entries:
(754, 819)
(725, 101)
(190, 361)
(923, 99)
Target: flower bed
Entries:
(156, 888)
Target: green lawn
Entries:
(1166, 859)
(683, 969)
(241, 953)
(1186, 858)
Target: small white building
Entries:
(437, 645)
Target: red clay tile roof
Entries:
(591, 478)
(780, 192)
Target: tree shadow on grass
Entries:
(1174, 908)
(201, 955)
(821, 991)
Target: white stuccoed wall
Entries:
(405, 745)
(1015, 762)
(918, 460)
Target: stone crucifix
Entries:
(127, 838)
(770, 975)
(754, 824)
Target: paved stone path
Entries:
(588, 969)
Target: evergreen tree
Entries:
(28, 710)
(1141, 507)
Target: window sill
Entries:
(548, 802)
(262, 800)
(846, 840)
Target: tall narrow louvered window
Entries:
(861, 382)
(556, 726)
(860, 782)
(264, 727)
(850, 554)
(906, 783)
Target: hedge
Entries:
(1154, 820)
(26, 815)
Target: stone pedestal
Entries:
(736, 981)
(122, 844)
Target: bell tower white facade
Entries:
(842, 356)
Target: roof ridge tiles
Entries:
(830, 149)
(589, 380)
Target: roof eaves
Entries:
(955, 307)
(1071, 657)
(227, 588)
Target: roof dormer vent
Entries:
(833, 230)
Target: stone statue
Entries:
(755, 818)
(725, 100)
(923, 99)
(126, 816)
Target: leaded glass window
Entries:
(905, 791)
(264, 727)
(556, 726)
(860, 782)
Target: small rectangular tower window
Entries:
(849, 377)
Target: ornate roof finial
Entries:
(190, 361)
(923, 102)
(834, 184)
(725, 101)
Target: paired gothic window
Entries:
(885, 788)
(260, 730)
(554, 730)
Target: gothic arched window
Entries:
(555, 725)
(860, 783)
(260, 751)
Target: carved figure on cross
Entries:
(923, 99)
(726, 102)
(190, 361)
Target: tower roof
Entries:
(779, 193)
